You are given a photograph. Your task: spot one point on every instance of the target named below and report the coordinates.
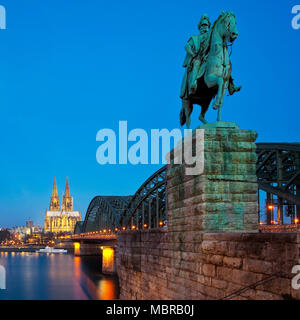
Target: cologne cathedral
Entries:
(61, 219)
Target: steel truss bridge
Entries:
(278, 172)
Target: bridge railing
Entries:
(101, 234)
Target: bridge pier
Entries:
(106, 253)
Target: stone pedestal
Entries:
(222, 197)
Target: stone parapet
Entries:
(158, 264)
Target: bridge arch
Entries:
(147, 208)
(103, 213)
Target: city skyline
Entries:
(60, 69)
(40, 222)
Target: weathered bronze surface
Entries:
(208, 67)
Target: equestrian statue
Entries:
(208, 67)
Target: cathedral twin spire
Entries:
(54, 202)
(67, 203)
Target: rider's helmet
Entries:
(204, 21)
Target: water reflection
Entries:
(106, 289)
(32, 276)
(96, 285)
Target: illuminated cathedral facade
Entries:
(61, 218)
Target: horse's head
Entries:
(230, 30)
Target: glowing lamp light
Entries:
(76, 245)
(161, 223)
(145, 225)
(133, 227)
(104, 230)
(116, 229)
(123, 228)
(297, 220)
(270, 207)
(76, 248)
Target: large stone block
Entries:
(220, 190)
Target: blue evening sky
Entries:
(70, 68)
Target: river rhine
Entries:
(34, 276)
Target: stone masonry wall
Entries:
(157, 264)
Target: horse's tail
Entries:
(182, 117)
